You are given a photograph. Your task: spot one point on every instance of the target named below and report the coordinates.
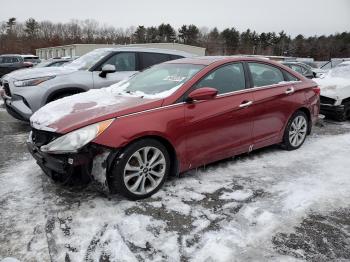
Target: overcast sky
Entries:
(308, 17)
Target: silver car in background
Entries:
(25, 91)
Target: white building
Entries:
(75, 50)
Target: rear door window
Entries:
(125, 61)
(228, 78)
(264, 75)
(150, 59)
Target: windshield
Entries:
(86, 61)
(157, 82)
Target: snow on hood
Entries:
(120, 88)
(39, 72)
(91, 104)
(98, 100)
(336, 83)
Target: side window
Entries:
(264, 75)
(15, 60)
(7, 59)
(290, 77)
(150, 59)
(225, 79)
(122, 62)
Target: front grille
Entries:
(327, 100)
(7, 89)
(40, 137)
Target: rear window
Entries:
(150, 59)
(31, 59)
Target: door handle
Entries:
(245, 104)
(290, 90)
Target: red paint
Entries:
(208, 130)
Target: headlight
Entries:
(32, 82)
(71, 142)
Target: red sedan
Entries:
(173, 117)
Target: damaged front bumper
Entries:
(90, 164)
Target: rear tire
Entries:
(296, 131)
(140, 170)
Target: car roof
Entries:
(148, 50)
(291, 62)
(295, 63)
(207, 60)
(4, 55)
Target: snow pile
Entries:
(239, 195)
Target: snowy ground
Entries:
(271, 205)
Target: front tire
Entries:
(296, 131)
(140, 170)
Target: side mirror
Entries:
(203, 93)
(106, 69)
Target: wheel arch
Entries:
(174, 161)
(307, 112)
(68, 90)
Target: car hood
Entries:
(334, 87)
(39, 72)
(73, 112)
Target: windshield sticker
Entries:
(175, 78)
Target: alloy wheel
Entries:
(298, 131)
(144, 170)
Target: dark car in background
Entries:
(31, 59)
(9, 63)
(301, 68)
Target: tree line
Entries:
(25, 37)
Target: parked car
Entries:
(335, 93)
(175, 116)
(301, 68)
(31, 59)
(54, 62)
(9, 63)
(28, 90)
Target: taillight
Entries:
(317, 90)
(28, 64)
